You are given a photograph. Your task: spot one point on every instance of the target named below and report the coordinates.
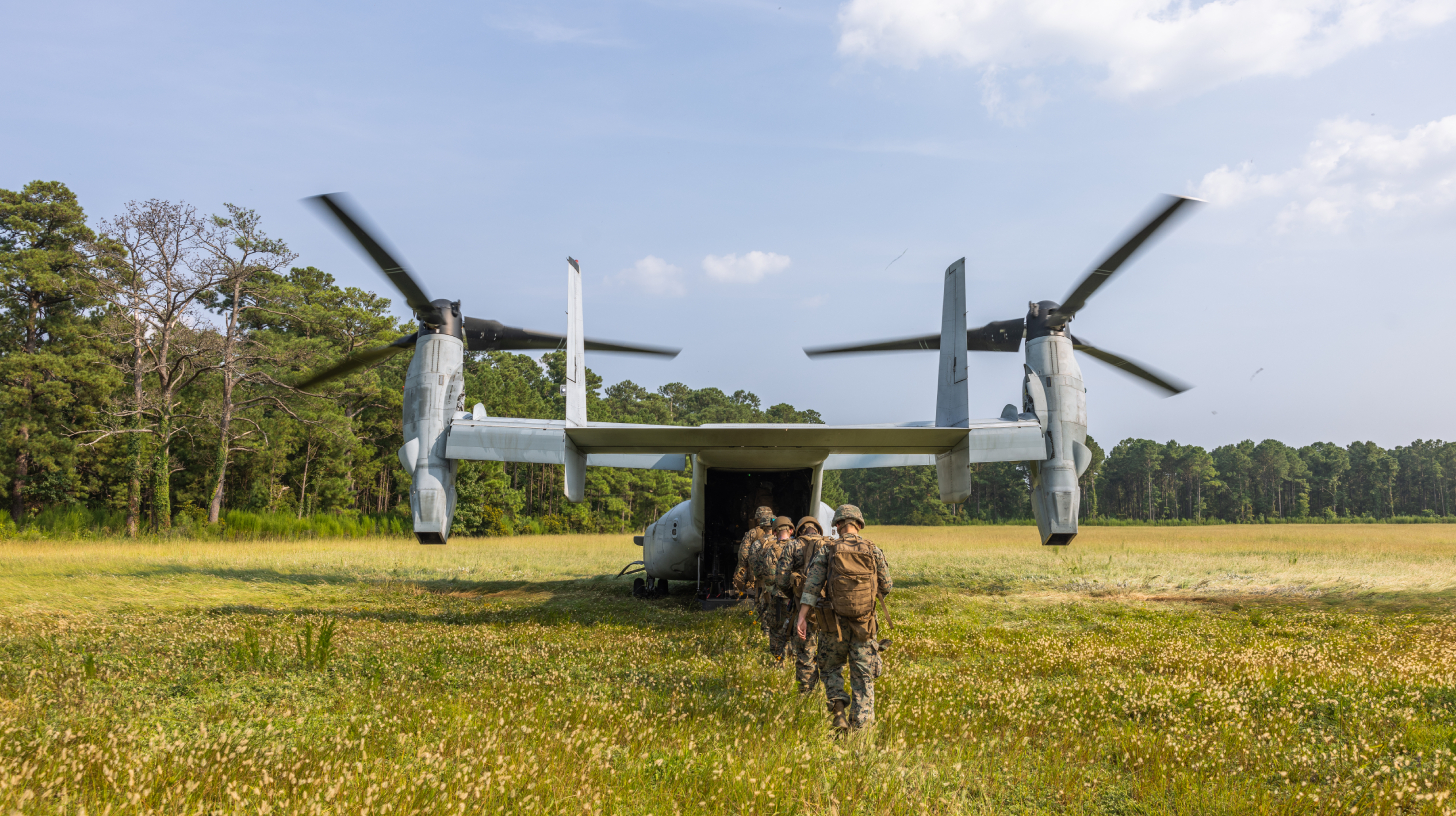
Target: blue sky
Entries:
(737, 178)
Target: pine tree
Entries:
(49, 369)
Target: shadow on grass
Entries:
(452, 585)
(1364, 601)
(580, 602)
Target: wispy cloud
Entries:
(654, 276)
(751, 267)
(1351, 167)
(544, 30)
(1010, 102)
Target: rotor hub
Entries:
(443, 318)
(1043, 319)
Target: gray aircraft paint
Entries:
(1055, 494)
(434, 389)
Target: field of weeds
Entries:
(1258, 669)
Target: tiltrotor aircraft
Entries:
(736, 467)
(1052, 390)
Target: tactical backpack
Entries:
(763, 558)
(810, 546)
(752, 538)
(853, 585)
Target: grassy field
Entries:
(1231, 669)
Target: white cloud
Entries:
(654, 276)
(750, 268)
(1168, 47)
(1351, 167)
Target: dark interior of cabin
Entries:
(732, 496)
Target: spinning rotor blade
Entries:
(492, 335)
(924, 341)
(1151, 375)
(1000, 335)
(1163, 211)
(414, 294)
(360, 360)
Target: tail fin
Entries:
(574, 485)
(575, 362)
(952, 404)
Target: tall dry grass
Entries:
(1142, 670)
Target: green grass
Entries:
(1261, 669)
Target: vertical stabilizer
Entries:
(575, 362)
(952, 405)
(574, 485)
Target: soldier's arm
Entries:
(815, 576)
(882, 568)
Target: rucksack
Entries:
(853, 585)
(763, 558)
(809, 545)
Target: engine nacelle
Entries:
(434, 390)
(1055, 494)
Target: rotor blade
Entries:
(414, 294)
(918, 343)
(1151, 375)
(492, 335)
(1000, 335)
(1161, 213)
(360, 360)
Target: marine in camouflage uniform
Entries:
(773, 604)
(764, 516)
(839, 646)
(793, 565)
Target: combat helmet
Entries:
(848, 512)
(806, 520)
(764, 516)
(783, 521)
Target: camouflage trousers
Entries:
(773, 614)
(806, 660)
(863, 659)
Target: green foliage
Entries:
(315, 653)
(52, 376)
(1270, 481)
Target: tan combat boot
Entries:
(841, 723)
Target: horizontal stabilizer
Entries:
(543, 440)
(860, 461)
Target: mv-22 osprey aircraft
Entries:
(737, 467)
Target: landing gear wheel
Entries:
(639, 588)
(661, 590)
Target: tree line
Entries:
(148, 365)
(1148, 481)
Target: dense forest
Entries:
(147, 371)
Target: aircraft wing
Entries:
(662, 446)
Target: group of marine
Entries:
(833, 584)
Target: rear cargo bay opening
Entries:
(732, 496)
